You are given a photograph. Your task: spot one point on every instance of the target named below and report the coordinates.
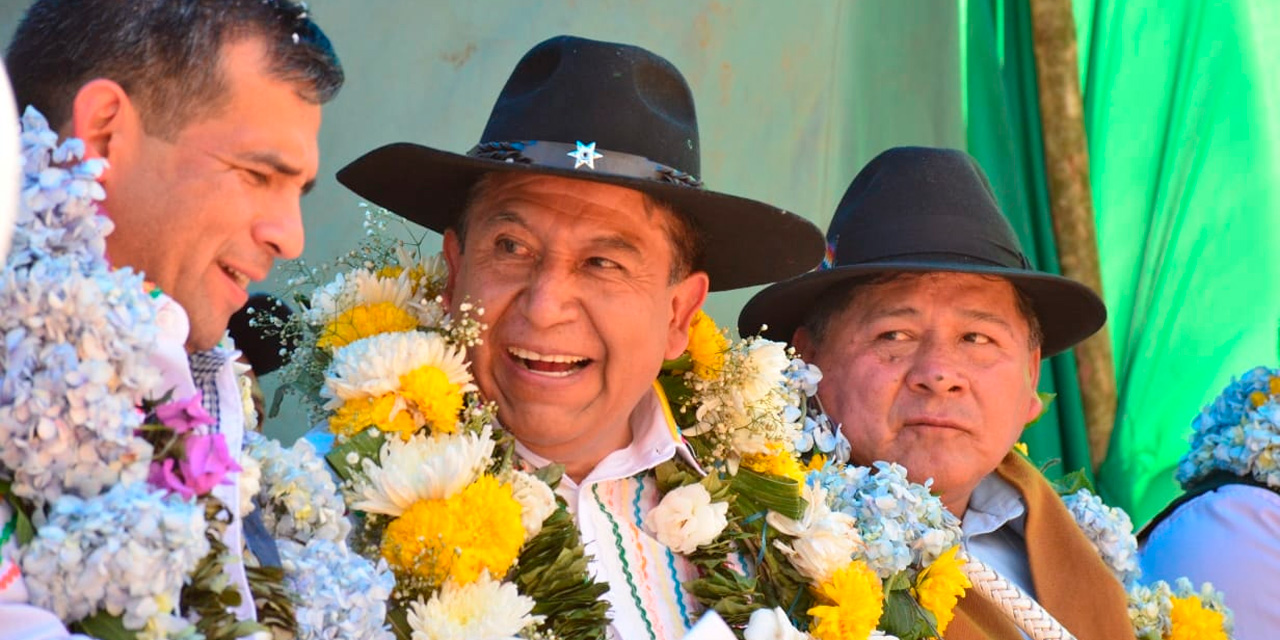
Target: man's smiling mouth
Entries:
(552, 365)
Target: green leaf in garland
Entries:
(104, 626)
(366, 444)
(770, 492)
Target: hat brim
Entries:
(1068, 311)
(745, 242)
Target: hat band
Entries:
(585, 158)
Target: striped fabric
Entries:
(645, 595)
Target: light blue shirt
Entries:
(994, 531)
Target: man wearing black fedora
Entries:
(580, 226)
(929, 326)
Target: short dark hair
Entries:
(164, 53)
(839, 296)
(682, 232)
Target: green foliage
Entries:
(552, 570)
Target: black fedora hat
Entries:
(603, 112)
(917, 209)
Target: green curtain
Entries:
(1181, 114)
(1003, 134)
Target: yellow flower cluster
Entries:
(426, 394)
(940, 586)
(707, 346)
(778, 462)
(474, 530)
(854, 602)
(364, 321)
(1193, 621)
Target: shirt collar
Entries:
(655, 438)
(993, 504)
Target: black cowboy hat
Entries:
(603, 112)
(916, 209)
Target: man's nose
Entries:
(280, 230)
(935, 369)
(551, 296)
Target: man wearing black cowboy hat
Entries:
(579, 225)
(929, 328)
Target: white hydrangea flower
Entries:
(421, 468)
(371, 367)
(77, 334)
(824, 540)
(686, 518)
(1109, 530)
(337, 594)
(901, 523)
(297, 496)
(537, 501)
(250, 483)
(483, 610)
(1239, 432)
(772, 624)
(127, 552)
(1151, 610)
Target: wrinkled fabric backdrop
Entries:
(794, 98)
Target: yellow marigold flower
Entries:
(854, 601)
(475, 530)
(940, 586)
(364, 321)
(1192, 621)
(357, 415)
(816, 463)
(1273, 386)
(707, 346)
(436, 399)
(778, 462)
(1021, 447)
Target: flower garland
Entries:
(107, 473)
(1157, 610)
(384, 365)
(1239, 432)
(842, 551)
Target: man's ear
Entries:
(686, 298)
(452, 258)
(103, 116)
(804, 343)
(1037, 405)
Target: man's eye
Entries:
(257, 177)
(978, 338)
(509, 246)
(603, 263)
(893, 336)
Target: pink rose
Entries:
(205, 465)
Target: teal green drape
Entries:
(1003, 134)
(1181, 111)
(1182, 118)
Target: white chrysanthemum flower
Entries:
(825, 540)
(686, 518)
(371, 367)
(483, 610)
(421, 468)
(336, 593)
(537, 501)
(354, 288)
